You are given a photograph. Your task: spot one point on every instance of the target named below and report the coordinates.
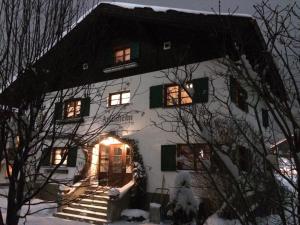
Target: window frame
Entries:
(237, 99)
(180, 89)
(65, 105)
(63, 150)
(206, 156)
(123, 49)
(120, 99)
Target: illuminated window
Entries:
(58, 154)
(176, 95)
(72, 108)
(122, 55)
(9, 171)
(189, 156)
(119, 98)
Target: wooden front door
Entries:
(112, 167)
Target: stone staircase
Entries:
(90, 207)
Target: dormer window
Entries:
(122, 55)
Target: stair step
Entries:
(90, 207)
(92, 201)
(95, 196)
(81, 218)
(97, 192)
(85, 212)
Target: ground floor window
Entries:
(58, 154)
(189, 157)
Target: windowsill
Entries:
(71, 120)
(63, 170)
(124, 66)
(179, 105)
(119, 105)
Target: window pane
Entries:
(125, 97)
(172, 95)
(115, 99)
(70, 109)
(78, 107)
(58, 155)
(185, 98)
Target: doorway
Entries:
(115, 167)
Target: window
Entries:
(184, 157)
(122, 55)
(265, 118)
(8, 172)
(173, 94)
(119, 98)
(238, 95)
(189, 156)
(244, 159)
(58, 154)
(177, 95)
(72, 108)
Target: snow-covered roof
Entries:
(165, 9)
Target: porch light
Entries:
(110, 141)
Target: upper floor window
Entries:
(72, 108)
(57, 156)
(195, 91)
(238, 95)
(177, 95)
(122, 55)
(119, 98)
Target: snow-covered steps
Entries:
(89, 207)
(82, 218)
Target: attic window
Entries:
(167, 45)
(122, 55)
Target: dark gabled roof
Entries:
(54, 71)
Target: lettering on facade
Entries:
(122, 119)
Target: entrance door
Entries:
(112, 167)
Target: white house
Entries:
(114, 76)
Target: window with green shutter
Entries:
(156, 96)
(168, 158)
(46, 157)
(200, 90)
(72, 108)
(265, 117)
(72, 157)
(238, 95)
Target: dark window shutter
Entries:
(46, 157)
(200, 90)
(135, 50)
(156, 96)
(72, 157)
(85, 104)
(58, 110)
(233, 89)
(265, 118)
(109, 57)
(168, 157)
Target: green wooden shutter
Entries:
(200, 90)
(85, 104)
(109, 57)
(233, 89)
(46, 157)
(265, 117)
(72, 157)
(135, 51)
(58, 111)
(156, 96)
(168, 157)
